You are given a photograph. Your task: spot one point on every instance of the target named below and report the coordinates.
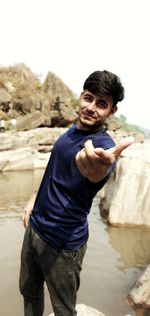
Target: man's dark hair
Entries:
(105, 83)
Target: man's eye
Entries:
(101, 105)
(88, 99)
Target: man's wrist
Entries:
(27, 211)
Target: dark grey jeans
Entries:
(60, 270)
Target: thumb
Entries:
(117, 150)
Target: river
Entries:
(115, 257)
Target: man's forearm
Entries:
(28, 210)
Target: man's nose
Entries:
(92, 106)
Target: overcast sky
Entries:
(73, 38)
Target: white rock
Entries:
(41, 160)
(140, 294)
(84, 310)
(19, 159)
(126, 195)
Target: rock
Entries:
(61, 93)
(63, 118)
(3, 163)
(118, 134)
(140, 294)
(30, 121)
(23, 159)
(3, 115)
(84, 310)
(63, 111)
(5, 97)
(41, 160)
(20, 159)
(5, 142)
(113, 123)
(25, 150)
(33, 104)
(125, 198)
(32, 138)
(138, 136)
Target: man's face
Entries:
(94, 110)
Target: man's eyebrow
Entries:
(102, 101)
(99, 99)
(89, 94)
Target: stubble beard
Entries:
(90, 127)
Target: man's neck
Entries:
(89, 128)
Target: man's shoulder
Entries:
(103, 139)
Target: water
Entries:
(115, 258)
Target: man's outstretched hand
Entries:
(94, 163)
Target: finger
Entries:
(90, 150)
(105, 156)
(82, 156)
(89, 146)
(117, 150)
(98, 153)
(81, 164)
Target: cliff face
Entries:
(33, 104)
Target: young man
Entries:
(56, 224)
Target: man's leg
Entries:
(62, 276)
(31, 281)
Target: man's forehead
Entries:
(98, 97)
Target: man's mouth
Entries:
(88, 116)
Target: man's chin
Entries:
(87, 122)
(90, 125)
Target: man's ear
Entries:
(81, 94)
(113, 110)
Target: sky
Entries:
(73, 38)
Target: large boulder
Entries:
(22, 159)
(30, 121)
(63, 100)
(124, 200)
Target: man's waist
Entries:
(62, 236)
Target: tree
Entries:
(123, 118)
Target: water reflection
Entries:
(132, 244)
(16, 188)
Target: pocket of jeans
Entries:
(76, 255)
(72, 255)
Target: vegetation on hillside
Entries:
(132, 127)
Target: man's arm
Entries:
(28, 210)
(95, 163)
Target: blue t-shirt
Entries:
(65, 197)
